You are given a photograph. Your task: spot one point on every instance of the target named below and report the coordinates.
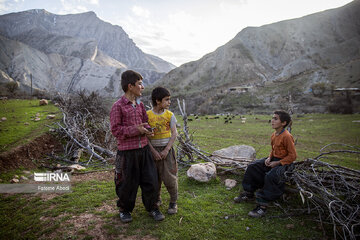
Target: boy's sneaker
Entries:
(172, 208)
(244, 197)
(125, 217)
(157, 215)
(258, 212)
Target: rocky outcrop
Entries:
(273, 62)
(70, 52)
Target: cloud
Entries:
(140, 12)
(69, 6)
(3, 6)
(93, 2)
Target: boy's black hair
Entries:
(129, 77)
(284, 116)
(158, 94)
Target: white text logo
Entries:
(49, 177)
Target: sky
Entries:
(180, 31)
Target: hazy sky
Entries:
(180, 31)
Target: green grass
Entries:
(15, 131)
(311, 132)
(206, 210)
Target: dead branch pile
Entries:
(330, 190)
(85, 127)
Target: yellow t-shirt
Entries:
(162, 125)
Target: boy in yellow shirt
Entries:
(163, 123)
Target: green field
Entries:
(19, 126)
(206, 210)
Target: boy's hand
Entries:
(274, 164)
(156, 155)
(164, 153)
(143, 130)
(267, 162)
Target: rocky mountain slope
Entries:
(295, 63)
(70, 52)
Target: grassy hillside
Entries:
(206, 210)
(19, 126)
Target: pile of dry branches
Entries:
(330, 190)
(85, 127)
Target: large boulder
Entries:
(202, 172)
(238, 154)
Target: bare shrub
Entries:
(86, 124)
(12, 87)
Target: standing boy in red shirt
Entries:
(268, 174)
(134, 165)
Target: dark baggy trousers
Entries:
(167, 173)
(134, 168)
(270, 181)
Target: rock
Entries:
(26, 172)
(43, 102)
(234, 154)
(202, 172)
(230, 183)
(16, 176)
(3, 119)
(23, 178)
(76, 167)
(26, 123)
(37, 119)
(37, 115)
(14, 180)
(50, 116)
(290, 226)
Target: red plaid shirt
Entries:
(124, 118)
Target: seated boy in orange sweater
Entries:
(268, 174)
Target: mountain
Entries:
(296, 64)
(70, 52)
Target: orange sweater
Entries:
(282, 146)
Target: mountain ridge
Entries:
(305, 50)
(92, 41)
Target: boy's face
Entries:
(276, 122)
(164, 103)
(137, 88)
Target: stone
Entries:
(37, 119)
(43, 102)
(26, 123)
(26, 172)
(290, 226)
(76, 167)
(23, 178)
(202, 172)
(236, 153)
(14, 180)
(3, 119)
(50, 116)
(230, 183)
